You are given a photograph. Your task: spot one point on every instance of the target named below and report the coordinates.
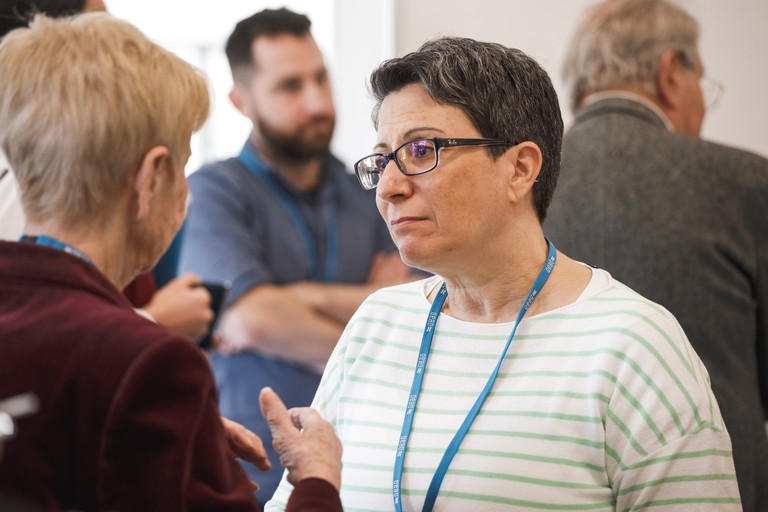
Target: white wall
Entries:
(356, 35)
(363, 38)
(733, 42)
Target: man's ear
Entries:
(525, 160)
(240, 100)
(150, 172)
(669, 80)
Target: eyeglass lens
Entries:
(412, 158)
(711, 90)
(417, 156)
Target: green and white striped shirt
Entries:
(600, 405)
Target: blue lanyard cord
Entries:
(418, 377)
(253, 164)
(413, 397)
(52, 242)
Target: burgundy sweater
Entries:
(128, 415)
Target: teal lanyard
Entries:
(52, 242)
(418, 377)
(328, 274)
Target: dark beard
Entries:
(295, 148)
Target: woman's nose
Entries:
(393, 183)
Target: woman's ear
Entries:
(526, 160)
(147, 177)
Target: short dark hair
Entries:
(505, 94)
(269, 22)
(18, 13)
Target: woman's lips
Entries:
(404, 221)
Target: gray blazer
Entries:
(684, 222)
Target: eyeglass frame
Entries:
(439, 143)
(711, 89)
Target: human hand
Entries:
(388, 269)
(237, 331)
(307, 444)
(182, 306)
(246, 445)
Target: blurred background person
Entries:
(516, 377)
(96, 124)
(285, 223)
(681, 220)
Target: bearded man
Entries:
(301, 243)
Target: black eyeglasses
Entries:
(414, 157)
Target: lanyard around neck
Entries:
(418, 377)
(328, 274)
(52, 242)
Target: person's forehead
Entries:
(286, 54)
(410, 110)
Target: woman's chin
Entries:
(415, 257)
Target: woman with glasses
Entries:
(515, 378)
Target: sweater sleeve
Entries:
(164, 446)
(314, 495)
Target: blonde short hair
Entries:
(620, 43)
(82, 100)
